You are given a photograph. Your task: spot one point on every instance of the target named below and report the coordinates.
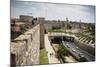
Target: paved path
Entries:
(52, 59)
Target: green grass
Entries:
(43, 59)
(88, 37)
(60, 31)
(56, 30)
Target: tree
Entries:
(23, 29)
(90, 28)
(62, 50)
(33, 22)
(69, 26)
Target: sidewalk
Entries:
(51, 58)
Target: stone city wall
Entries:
(25, 48)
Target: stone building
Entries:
(53, 24)
(28, 20)
(16, 27)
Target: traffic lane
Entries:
(84, 51)
(71, 51)
(73, 48)
(80, 51)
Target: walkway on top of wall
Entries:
(52, 59)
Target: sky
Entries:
(53, 11)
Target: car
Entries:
(82, 59)
(68, 46)
(76, 47)
(74, 50)
(81, 55)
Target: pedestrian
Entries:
(50, 54)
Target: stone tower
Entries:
(41, 21)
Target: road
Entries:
(76, 50)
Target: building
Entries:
(26, 19)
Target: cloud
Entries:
(55, 11)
